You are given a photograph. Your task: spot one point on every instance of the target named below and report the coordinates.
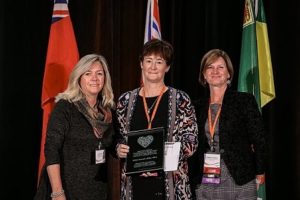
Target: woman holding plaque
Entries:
(157, 105)
(231, 154)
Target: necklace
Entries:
(156, 103)
(151, 107)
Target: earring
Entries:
(228, 82)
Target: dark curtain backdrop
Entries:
(115, 29)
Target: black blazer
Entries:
(240, 126)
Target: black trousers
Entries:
(148, 188)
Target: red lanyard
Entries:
(213, 126)
(155, 107)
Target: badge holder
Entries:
(99, 154)
(211, 169)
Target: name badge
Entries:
(171, 157)
(212, 168)
(100, 156)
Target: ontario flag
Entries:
(62, 55)
(152, 25)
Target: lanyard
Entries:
(213, 126)
(155, 107)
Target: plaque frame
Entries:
(146, 151)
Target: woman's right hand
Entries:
(122, 150)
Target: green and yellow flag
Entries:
(249, 71)
(267, 89)
(256, 74)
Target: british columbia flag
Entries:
(152, 26)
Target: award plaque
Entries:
(146, 150)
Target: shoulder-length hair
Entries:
(73, 92)
(210, 57)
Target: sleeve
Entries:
(121, 111)
(58, 125)
(117, 137)
(256, 133)
(188, 129)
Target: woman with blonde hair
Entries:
(79, 132)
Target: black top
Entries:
(139, 119)
(71, 143)
(241, 135)
(151, 187)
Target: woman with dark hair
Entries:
(157, 105)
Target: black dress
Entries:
(71, 143)
(149, 188)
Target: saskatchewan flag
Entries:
(267, 89)
(256, 74)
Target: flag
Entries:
(152, 25)
(62, 55)
(256, 73)
(249, 73)
(267, 88)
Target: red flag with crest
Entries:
(62, 55)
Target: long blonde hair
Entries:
(73, 92)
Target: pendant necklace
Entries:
(148, 110)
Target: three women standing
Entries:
(231, 151)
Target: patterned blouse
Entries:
(182, 127)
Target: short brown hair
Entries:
(210, 57)
(158, 47)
